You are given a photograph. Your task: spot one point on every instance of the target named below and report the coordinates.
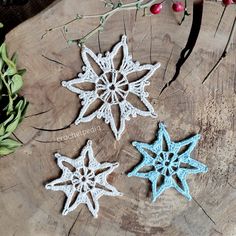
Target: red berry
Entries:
(227, 2)
(156, 8)
(178, 6)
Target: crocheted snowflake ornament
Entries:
(84, 182)
(170, 163)
(112, 87)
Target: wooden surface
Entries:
(187, 107)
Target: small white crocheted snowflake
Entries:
(85, 181)
(112, 87)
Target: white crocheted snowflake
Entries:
(112, 87)
(85, 181)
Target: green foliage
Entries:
(12, 106)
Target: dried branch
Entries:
(115, 7)
(186, 13)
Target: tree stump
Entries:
(186, 107)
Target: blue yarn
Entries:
(171, 164)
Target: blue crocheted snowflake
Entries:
(166, 164)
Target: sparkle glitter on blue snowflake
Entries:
(166, 164)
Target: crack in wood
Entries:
(221, 17)
(39, 113)
(52, 130)
(8, 188)
(168, 63)
(204, 211)
(53, 60)
(72, 226)
(17, 138)
(47, 141)
(33, 138)
(192, 39)
(225, 52)
(218, 232)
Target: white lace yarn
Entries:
(85, 181)
(112, 87)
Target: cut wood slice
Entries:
(186, 107)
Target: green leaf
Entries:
(10, 143)
(13, 125)
(21, 72)
(16, 83)
(11, 65)
(8, 146)
(10, 128)
(10, 105)
(6, 135)
(19, 104)
(2, 130)
(1, 25)
(15, 107)
(1, 62)
(14, 58)
(10, 118)
(5, 151)
(10, 71)
(23, 110)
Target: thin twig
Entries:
(225, 52)
(102, 17)
(186, 13)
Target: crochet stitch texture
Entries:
(112, 87)
(169, 165)
(84, 182)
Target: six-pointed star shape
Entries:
(86, 183)
(170, 165)
(112, 87)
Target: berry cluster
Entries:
(228, 2)
(180, 6)
(176, 6)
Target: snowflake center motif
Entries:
(86, 184)
(83, 180)
(167, 163)
(170, 165)
(112, 87)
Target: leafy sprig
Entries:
(113, 8)
(12, 106)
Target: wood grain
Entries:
(186, 107)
